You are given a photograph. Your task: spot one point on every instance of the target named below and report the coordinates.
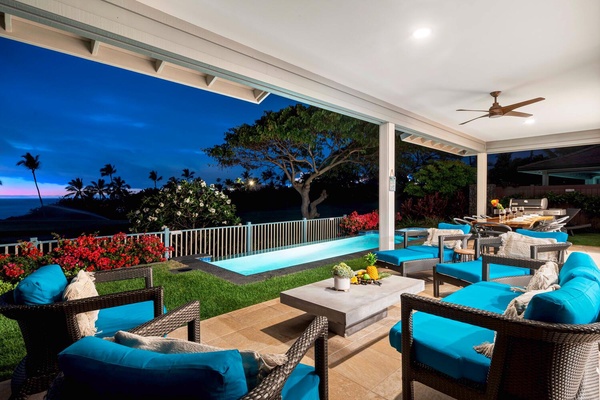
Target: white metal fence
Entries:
(228, 241)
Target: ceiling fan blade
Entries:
(506, 109)
(462, 109)
(483, 116)
(517, 114)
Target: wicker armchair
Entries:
(271, 386)
(48, 329)
(484, 247)
(531, 359)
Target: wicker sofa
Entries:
(48, 324)
(552, 353)
(97, 369)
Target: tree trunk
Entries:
(308, 208)
(38, 189)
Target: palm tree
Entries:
(187, 174)
(118, 188)
(75, 189)
(98, 188)
(108, 170)
(154, 177)
(32, 163)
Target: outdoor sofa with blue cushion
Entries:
(93, 368)
(551, 353)
(48, 324)
(421, 257)
(485, 269)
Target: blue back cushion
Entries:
(576, 302)
(44, 286)
(578, 264)
(125, 317)
(303, 384)
(560, 237)
(465, 228)
(110, 370)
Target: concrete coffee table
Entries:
(351, 311)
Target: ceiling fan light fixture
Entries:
(529, 121)
(421, 33)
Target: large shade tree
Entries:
(32, 163)
(304, 143)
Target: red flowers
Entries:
(86, 252)
(354, 223)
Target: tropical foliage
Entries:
(355, 222)
(32, 163)
(87, 252)
(184, 205)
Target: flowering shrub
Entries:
(86, 252)
(354, 222)
(184, 205)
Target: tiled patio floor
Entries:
(362, 366)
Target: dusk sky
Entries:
(79, 115)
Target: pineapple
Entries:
(372, 271)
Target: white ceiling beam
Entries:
(210, 79)
(94, 47)
(7, 22)
(567, 139)
(159, 66)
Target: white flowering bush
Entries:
(184, 205)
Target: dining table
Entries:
(525, 221)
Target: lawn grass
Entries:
(585, 239)
(216, 296)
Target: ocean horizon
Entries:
(15, 206)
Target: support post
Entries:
(387, 194)
(481, 183)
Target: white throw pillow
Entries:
(544, 277)
(81, 287)
(517, 245)
(433, 235)
(256, 365)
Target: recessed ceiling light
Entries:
(421, 33)
(529, 121)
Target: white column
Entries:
(387, 136)
(481, 183)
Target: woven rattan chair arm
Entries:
(522, 262)
(142, 271)
(187, 314)
(316, 334)
(504, 326)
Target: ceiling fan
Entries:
(496, 110)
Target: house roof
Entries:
(359, 58)
(582, 164)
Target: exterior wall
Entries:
(535, 191)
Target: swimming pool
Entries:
(278, 259)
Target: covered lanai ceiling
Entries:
(360, 58)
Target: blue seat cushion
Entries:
(302, 384)
(399, 256)
(576, 302)
(44, 286)
(447, 345)
(433, 251)
(559, 236)
(122, 318)
(578, 264)
(113, 371)
(465, 228)
(470, 271)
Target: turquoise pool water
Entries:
(273, 260)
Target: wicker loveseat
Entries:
(48, 324)
(97, 369)
(552, 353)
